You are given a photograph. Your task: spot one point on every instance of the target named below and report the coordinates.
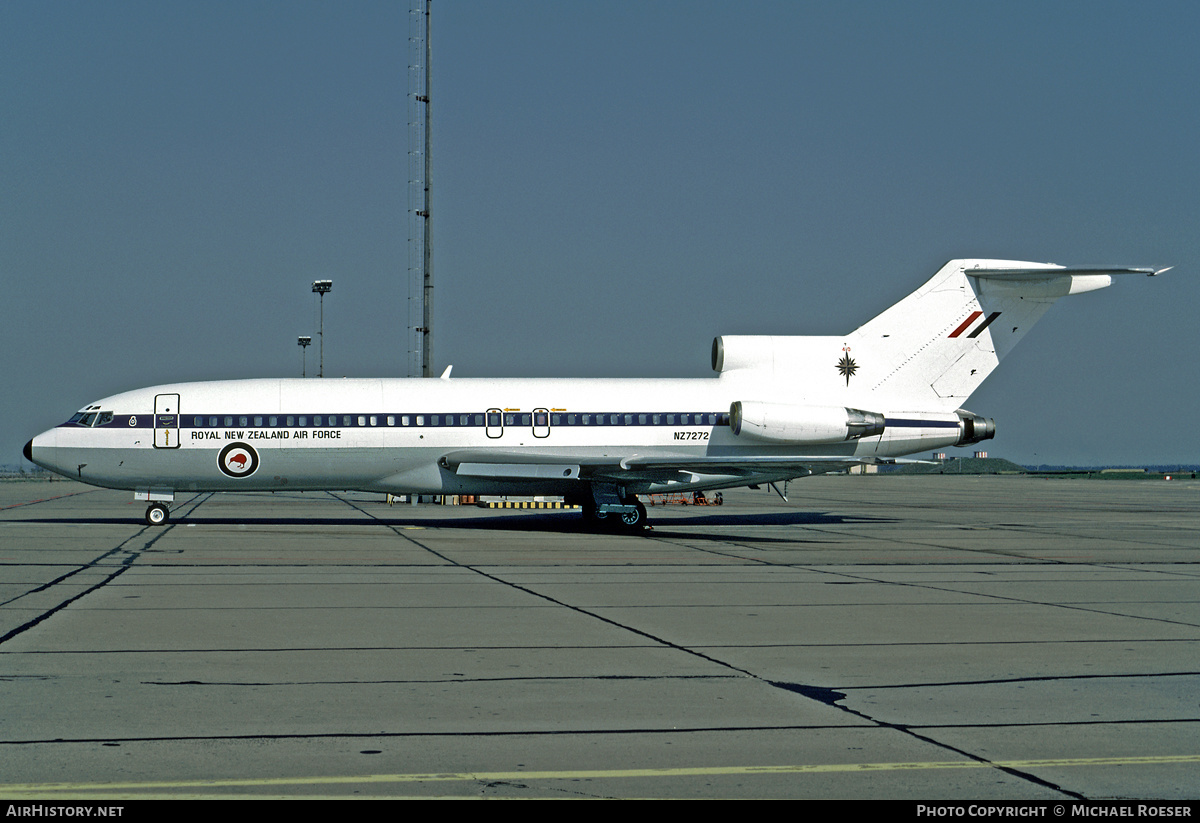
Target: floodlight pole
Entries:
(322, 287)
(304, 343)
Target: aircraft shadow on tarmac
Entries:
(573, 522)
(565, 522)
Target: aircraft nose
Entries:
(40, 450)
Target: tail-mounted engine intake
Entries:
(749, 351)
(972, 428)
(803, 424)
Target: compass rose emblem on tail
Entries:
(847, 367)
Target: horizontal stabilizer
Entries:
(1042, 273)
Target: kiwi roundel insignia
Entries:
(238, 460)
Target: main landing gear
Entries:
(157, 514)
(635, 519)
(607, 510)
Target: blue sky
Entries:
(614, 185)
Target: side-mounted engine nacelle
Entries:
(972, 428)
(814, 425)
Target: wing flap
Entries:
(520, 471)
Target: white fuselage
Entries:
(409, 435)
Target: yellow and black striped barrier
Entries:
(525, 504)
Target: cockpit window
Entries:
(92, 418)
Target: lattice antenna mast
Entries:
(420, 167)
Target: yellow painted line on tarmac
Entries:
(14, 791)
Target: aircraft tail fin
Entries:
(933, 348)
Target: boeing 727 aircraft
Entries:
(780, 408)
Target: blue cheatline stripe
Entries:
(474, 420)
(450, 420)
(902, 423)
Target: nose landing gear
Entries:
(157, 514)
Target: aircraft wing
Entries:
(649, 468)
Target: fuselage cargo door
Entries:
(166, 421)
